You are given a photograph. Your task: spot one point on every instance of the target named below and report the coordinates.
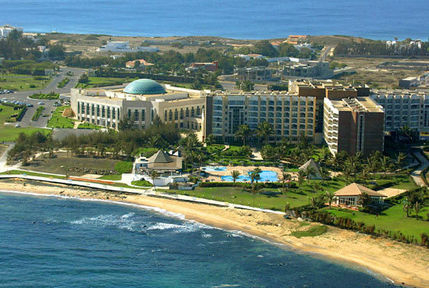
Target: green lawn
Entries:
(9, 133)
(89, 126)
(268, 198)
(63, 82)
(18, 82)
(59, 121)
(103, 81)
(114, 177)
(38, 113)
(393, 219)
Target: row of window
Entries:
(182, 113)
(98, 110)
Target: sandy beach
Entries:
(402, 263)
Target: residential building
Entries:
(408, 82)
(312, 69)
(291, 116)
(142, 64)
(207, 66)
(6, 29)
(253, 74)
(141, 101)
(404, 108)
(124, 46)
(350, 195)
(353, 125)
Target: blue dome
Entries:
(144, 87)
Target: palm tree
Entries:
(301, 175)
(243, 132)
(235, 174)
(401, 158)
(254, 176)
(285, 178)
(154, 174)
(407, 206)
(265, 130)
(329, 195)
(257, 172)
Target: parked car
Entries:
(41, 103)
(29, 105)
(17, 125)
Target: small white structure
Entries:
(167, 165)
(6, 29)
(124, 46)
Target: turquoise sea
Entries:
(60, 242)
(377, 19)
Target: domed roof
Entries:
(144, 87)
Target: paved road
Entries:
(49, 104)
(417, 174)
(325, 53)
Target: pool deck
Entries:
(215, 176)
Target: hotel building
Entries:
(404, 108)
(291, 116)
(353, 125)
(141, 101)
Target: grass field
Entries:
(393, 219)
(53, 165)
(103, 81)
(18, 82)
(59, 121)
(8, 133)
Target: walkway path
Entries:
(417, 174)
(148, 192)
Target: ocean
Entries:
(376, 19)
(60, 242)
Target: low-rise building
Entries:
(207, 66)
(124, 46)
(353, 125)
(253, 74)
(6, 29)
(141, 64)
(311, 69)
(140, 102)
(350, 196)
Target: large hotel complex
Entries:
(350, 119)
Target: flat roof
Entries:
(360, 104)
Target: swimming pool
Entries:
(214, 168)
(266, 176)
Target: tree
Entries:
(243, 132)
(400, 159)
(329, 195)
(285, 178)
(154, 174)
(265, 130)
(84, 78)
(301, 175)
(265, 48)
(210, 139)
(309, 172)
(245, 85)
(56, 52)
(317, 202)
(235, 174)
(365, 200)
(406, 204)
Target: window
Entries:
(192, 112)
(143, 115)
(176, 114)
(136, 115)
(181, 113)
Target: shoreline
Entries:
(398, 262)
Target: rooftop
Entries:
(355, 189)
(144, 87)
